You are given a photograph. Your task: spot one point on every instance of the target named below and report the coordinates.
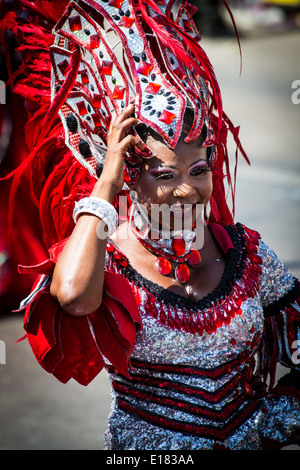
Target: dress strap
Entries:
(221, 237)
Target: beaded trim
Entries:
(240, 280)
(285, 301)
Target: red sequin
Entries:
(145, 69)
(178, 246)
(75, 23)
(152, 88)
(182, 273)
(163, 266)
(167, 117)
(194, 259)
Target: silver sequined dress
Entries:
(199, 369)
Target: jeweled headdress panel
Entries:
(107, 52)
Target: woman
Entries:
(174, 177)
(193, 383)
(189, 320)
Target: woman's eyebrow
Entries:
(172, 167)
(163, 166)
(198, 161)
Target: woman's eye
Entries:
(163, 176)
(200, 170)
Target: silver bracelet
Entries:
(100, 208)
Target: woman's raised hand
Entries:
(118, 143)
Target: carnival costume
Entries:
(185, 374)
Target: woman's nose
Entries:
(184, 190)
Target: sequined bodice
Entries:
(193, 363)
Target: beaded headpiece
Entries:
(107, 52)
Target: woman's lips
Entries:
(183, 210)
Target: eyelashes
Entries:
(199, 169)
(164, 175)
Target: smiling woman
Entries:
(190, 319)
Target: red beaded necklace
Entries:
(179, 255)
(175, 250)
(168, 247)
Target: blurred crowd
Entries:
(23, 244)
(250, 16)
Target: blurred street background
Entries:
(36, 411)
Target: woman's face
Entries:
(180, 178)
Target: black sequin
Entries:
(84, 148)
(72, 123)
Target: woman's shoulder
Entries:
(276, 281)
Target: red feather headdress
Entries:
(73, 74)
(79, 61)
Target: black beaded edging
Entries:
(284, 302)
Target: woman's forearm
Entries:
(78, 276)
(79, 273)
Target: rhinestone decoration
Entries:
(135, 44)
(152, 88)
(75, 23)
(194, 259)
(145, 69)
(105, 83)
(163, 266)
(116, 3)
(182, 273)
(126, 22)
(178, 246)
(99, 207)
(167, 117)
(82, 108)
(95, 41)
(63, 66)
(119, 92)
(106, 67)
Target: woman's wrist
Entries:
(104, 190)
(100, 208)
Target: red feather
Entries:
(61, 96)
(51, 10)
(196, 58)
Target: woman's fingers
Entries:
(117, 120)
(119, 140)
(125, 114)
(119, 127)
(123, 126)
(131, 140)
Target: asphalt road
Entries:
(36, 411)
